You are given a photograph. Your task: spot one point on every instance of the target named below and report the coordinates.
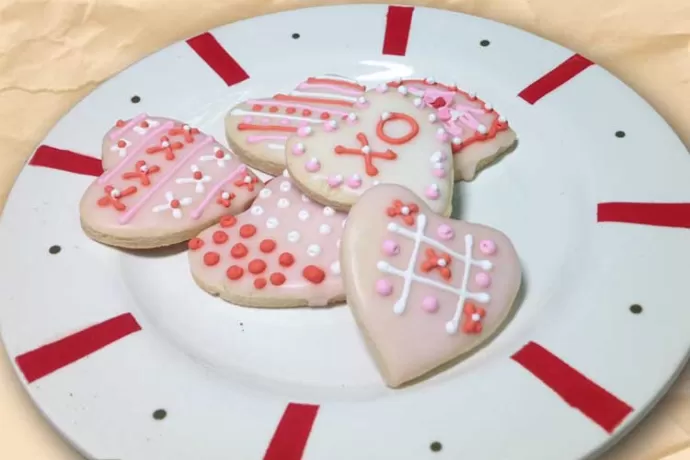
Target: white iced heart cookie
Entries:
(424, 289)
(257, 129)
(389, 140)
(164, 182)
(478, 134)
(282, 252)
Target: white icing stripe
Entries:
(274, 115)
(337, 97)
(408, 275)
(452, 325)
(276, 147)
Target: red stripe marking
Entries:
(657, 214)
(38, 363)
(398, 24)
(563, 73)
(213, 54)
(66, 160)
(292, 433)
(578, 391)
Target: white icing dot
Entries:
(271, 222)
(225, 195)
(502, 119)
(385, 116)
(286, 173)
(335, 268)
(305, 198)
(144, 168)
(382, 87)
(366, 150)
(165, 144)
(293, 236)
(328, 211)
(333, 124)
(257, 210)
(314, 250)
(472, 95)
(247, 180)
(362, 100)
(482, 129)
(441, 132)
(405, 211)
(476, 317)
(115, 193)
(442, 262)
(283, 203)
(430, 81)
(432, 118)
(488, 106)
(402, 89)
(436, 157)
(375, 183)
(186, 128)
(265, 193)
(417, 101)
(457, 140)
(303, 215)
(352, 116)
(325, 229)
(285, 186)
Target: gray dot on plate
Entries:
(295, 36)
(436, 446)
(620, 134)
(135, 99)
(635, 309)
(54, 249)
(484, 43)
(160, 414)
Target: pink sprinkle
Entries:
(330, 126)
(298, 149)
(487, 247)
(304, 131)
(312, 165)
(483, 280)
(442, 136)
(440, 172)
(391, 248)
(430, 304)
(432, 192)
(266, 121)
(284, 122)
(382, 88)
(335, 181)
(384, 287)
(354, 181)
(247, 119)
(445, 232)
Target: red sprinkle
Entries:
(260, 283)
(211, 258)
(175, 204)
(257, 266)
(144, 124)
(286, 259)
(267, 246)
(220, 237)
(239, 250)
(325, 115)
(247, 231)
(234, 272)
(290, 110)
(306, 112)
(198, 175)
(257, 107)
(314, 274)
(122, 144)
(228, 221)
(195, 243)
(273, 109)
(277, 279)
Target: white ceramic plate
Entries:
(128, 359)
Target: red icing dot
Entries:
(306, 112)
(122, 144)
(198, 175)
(277, 279)
(257, 107)
(257, 266)
(211, 258)
(175, 204)
(219, 154)
(238, 251)
(234, 272)
(228, 221)
(325, 115)
(273, 109)
(195, 243)
(220, 237)
(247, 231)
(290, 110)
(286, 259)
(260, 283)
(120, 123)
(267, 246)
(144, 124)
(314, 274)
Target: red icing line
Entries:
(49, 358)
(66, 160)
(208, 49)
(578, 391)
(560, 75)
(398, 24)
(292, 432)
(657, 214)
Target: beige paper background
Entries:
(53, 53)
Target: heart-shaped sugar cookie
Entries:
(387, 140)
(282, 252)
(424, 289)
(257, 129)
(164, 183)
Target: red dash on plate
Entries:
(66, 160)
(555, 78)
(656, 214)
(213, 54)
(45, 360)
(398, 24)
(578, 391)
(292, 433)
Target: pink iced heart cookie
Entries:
(478, 134)
(164, 183)
(388, 140)
(257, 129)
(424, 289)
(282, 252)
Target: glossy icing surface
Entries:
(424, 288)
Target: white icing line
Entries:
(274, 115)
(276, 146)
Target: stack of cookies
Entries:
(358, 210)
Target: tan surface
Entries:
(43, 43)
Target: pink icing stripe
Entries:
(297, 106)
(126, 217)
(255, 139)
(200, 210)
(130, 124)
(334, 88)
(115, 169)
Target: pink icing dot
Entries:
(247, 119)
(384, 287)
(391, 248)
(330, 126)
(354, 181)
(439, 172)
(487, 247)
(335, 181)
(284, 122)
(445, 232)
(312, 165)
(298, 149)
(482, 279)
(442, 135)
(432, 192)
(303, 123)
(304, 131)
(430, 304)
(266, 121)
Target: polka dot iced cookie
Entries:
(282, 252)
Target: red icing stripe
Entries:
(555, 78)
(47, 359)
(66, 160)
(578, 391)
(208, 48)
(398, 23)
(290, 437)
(658, 214)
